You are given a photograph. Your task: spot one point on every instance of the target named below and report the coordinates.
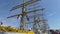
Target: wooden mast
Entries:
(23, 15)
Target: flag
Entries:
(27, 17)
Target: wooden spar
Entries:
(26, 3)
(27, 12)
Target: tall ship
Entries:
(32, 19)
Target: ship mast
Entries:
(24, 13)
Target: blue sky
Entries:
(52, 12)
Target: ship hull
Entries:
(11, 33)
